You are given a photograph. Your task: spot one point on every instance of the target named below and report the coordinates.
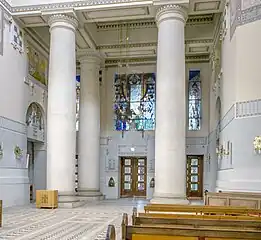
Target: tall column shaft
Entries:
(170, 134)
(89, 130)
(61, 113)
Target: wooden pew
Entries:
(228, 222)
(201, 209)
(110, 235)
(174, 232)
(245, 199)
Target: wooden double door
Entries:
(195, 177)
(133, 176)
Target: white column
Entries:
(170, 134)
(61, 115)
(89, 129)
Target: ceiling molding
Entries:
(151, 44)
(131, 45)
(152, 60)
(6, 6)
(78, 5)
(150, 23)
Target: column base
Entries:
(169, 199)
(89, 195)
(68, 200)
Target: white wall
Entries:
(240, 99)
(114, 145)
(15, 97)
(248, 51)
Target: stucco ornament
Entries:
(1, 151)
(257, 144)
(18, 152)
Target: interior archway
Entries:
(36, 154)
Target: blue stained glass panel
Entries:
(134, 102)
(194, 100)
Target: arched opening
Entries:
(218, 129)
(36, 154)
(218, 120)
(218, 114)
(34, 117)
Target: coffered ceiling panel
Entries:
(206, 6)
(33, 20)
(115, 14)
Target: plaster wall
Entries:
(239, 171)
(115, 144)
(248, 51)
(15, 96)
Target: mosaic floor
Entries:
(88, 222)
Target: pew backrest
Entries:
(201, 209)
(160, 232)
(110, 235)
(245, 199)
(200, 221)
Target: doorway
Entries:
(195, 177)
(30, 164)
(133, 176)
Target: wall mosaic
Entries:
(37, 65)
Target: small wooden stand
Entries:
(1, 212)
(47, 199)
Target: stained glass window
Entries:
(194, 100)
(134, 103)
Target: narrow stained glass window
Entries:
(134, 103)
(194, 100)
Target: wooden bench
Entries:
(174, 232)
(214, 221)
(245, 199)
(201, 209)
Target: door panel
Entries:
(140, 177)
(133, 176)
(126, 174)
(195, 176)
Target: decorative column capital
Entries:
(171, 11)
(63, 21)
(89, 56)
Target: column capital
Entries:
(63, 21)
(171, 11)
(89, 56)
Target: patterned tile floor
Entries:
(88, 222)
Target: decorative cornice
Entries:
(152, 60)
(68, 5)
(150, 44)
(171, 11)
(131, 45)
(151, 23)
(6, 6)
